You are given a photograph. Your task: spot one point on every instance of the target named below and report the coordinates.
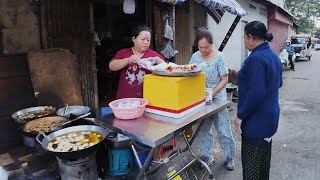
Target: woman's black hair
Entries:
(203, 32)
(258, 30)
(139, 29)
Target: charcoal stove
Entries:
(84, 168)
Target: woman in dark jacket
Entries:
(257, 119)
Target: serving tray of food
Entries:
(172, 69)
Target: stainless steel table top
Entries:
(154, 130)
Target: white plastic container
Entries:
(209, 95)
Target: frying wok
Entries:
(47, 110)
(44, 141)
(33, 134)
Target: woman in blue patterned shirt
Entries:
(216, 78)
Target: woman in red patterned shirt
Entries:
(131, 74)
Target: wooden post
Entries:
(174, 30)
(227, 37)
(94, 66)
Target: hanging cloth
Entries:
(215, 8)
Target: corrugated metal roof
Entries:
(274, 2)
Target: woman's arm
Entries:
(256, 92)
(223, 73)
(118, 64)
(192, 59)
(221, 84)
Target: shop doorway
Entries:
(114, 29)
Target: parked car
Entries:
(302, 46)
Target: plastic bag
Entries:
(168, 32)
(168, 52)
(283, 55)
(129, 104)
(146, 63)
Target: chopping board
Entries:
(55, 77)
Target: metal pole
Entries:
(145, 164)
(136, 156)
(227, 37)
(195, 134)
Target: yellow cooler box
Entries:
(174, 96)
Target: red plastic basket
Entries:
(128, 113)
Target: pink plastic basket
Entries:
(128, 113)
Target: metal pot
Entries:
(44, 141)
(76, 110)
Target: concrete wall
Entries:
(281, 28)
(291, 31)
(280, 35)
(234, 50)
(19, 26)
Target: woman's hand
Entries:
(132, 59)
(221, 85)
(237, 123)
(158, 60)
(119, 64)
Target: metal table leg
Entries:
(196, 158)
(145, 164)
(211, 176)
(194, 135)
(189, 143)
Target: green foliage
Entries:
(317, 33)
(307, 12)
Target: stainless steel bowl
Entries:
(76, 110)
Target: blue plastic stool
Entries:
(105, 111)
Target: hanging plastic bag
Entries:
(168, 52)
(168, 32)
